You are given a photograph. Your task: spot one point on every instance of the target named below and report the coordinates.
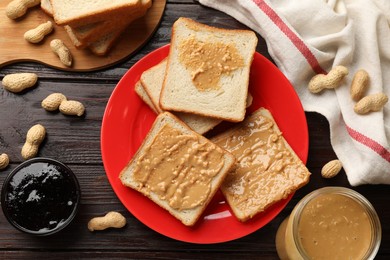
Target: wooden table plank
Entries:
(76, 141)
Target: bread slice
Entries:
(267, 169)
(99, 47)
(152, 80)
(139, 89)
(76, 13)
(197, 50)
(100, 36)
(46, 7)
(104, 44)
(92, 32)
(177, 168)
(103, 41)
(81, 35)
(76, 42)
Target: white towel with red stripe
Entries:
(307, 37)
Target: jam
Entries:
(40, 196)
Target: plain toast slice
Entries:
(177, 168)
(152, 80)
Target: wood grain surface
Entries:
(13, 47)
(76, 142)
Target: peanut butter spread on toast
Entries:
(266, 170)
(179, 168)
(208, 61)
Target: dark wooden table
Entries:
(76, 142)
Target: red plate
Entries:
(127, 120)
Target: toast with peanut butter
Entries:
(208, 70)
(267, 169)
(177, 168)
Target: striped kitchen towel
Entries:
(307, 37)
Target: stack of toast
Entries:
(95, 25)
(204, 81)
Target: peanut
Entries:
(330, 81)
(18, 82)
(371, 103)
(18, 8)
(37, 34)
(110, 220)
(331, 169)
(67, 107)
(53, 101)
(72, 108)
(359, 84)
(4, 161)
(59, 48)
(34, 138)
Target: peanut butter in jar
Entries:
(330, 223)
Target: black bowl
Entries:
(41, 196)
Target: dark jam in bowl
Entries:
(40, 196)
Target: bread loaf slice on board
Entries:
(100, 36)
(83, 34)
(177, 168)
(208, 70)
(76, 13)
(46, 7)
(92, 32)
(267, 169)
(152, 80)
(102, 45)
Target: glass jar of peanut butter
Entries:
(330, 223)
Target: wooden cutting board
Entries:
(14, 48)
